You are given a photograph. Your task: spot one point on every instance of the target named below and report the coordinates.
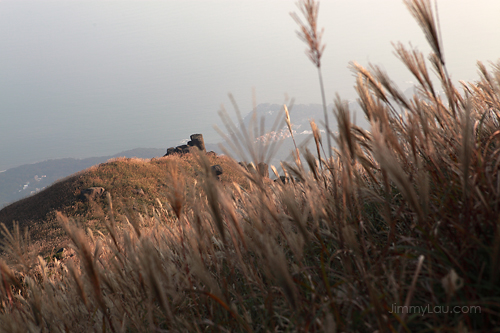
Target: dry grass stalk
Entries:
(336, 248)
(289, 125)
(310, 34)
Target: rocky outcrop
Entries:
(283, 180)
(183, 149)
(263, 169)
(91, 193)
(217, 170)
(196, 142)
(138, 191)
(243, 165)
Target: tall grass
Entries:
(311, 35)
(405, 214)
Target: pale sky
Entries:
(90, 78)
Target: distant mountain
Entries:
(300, 114)
(22, 181)
(271, 118)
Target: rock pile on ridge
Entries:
(196, 142)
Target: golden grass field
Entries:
(402, 216)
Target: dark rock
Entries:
(138, 191)
(251, 168)
(212, 153)
(195, 143)
(263, 169)
(60, 254)
(283, 179)
(183, 149)
(243, 165)
(217, 170)
(91, 193)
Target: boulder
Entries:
(183, 149)
(251, 168)
(60, 253)
(63, 253)
(195, 143)
(243, 165)
(283, 179)
(263, 169)
(138, 191)
(217, 170)
(193, 149)
(91, 193)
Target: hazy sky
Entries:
(90, 78)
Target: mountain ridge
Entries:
(24, 180)
(130, 182)
(21, 181)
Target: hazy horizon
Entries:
(93, 78)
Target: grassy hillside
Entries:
(133, 183)
(397, 231)
(20, 182)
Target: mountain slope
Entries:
(22, 181)
(135, 185)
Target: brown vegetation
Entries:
(405, 214)
(134, 184)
